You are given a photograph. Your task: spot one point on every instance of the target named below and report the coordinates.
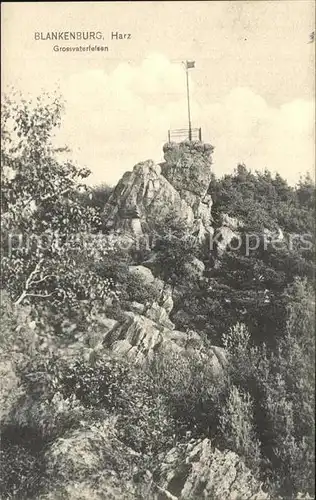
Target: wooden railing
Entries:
(182, 134)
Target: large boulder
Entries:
(144, 195)
(187, 166)
(87, 464)
(197, 471)
(227, 233)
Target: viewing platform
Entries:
(183, 134)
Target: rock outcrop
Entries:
(143, 195)
(150, 192)
(187, 167)
(92, 463)
(224, 235)
(142, 336)
(147, 330)
(197, 471)
(87, 463)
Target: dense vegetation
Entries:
(249, 287)
(61, 272)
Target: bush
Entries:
(281, 385)
(138, 290)
(191, 389)
(21, 472)
(237, 427)
(96, 197)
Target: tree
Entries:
(238, 429)
(281, 384)
(290, 394)
(48, 249)
(249, 286)
(306, 192)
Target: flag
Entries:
(190, 64)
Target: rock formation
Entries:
(147, 330)
(178, 186)
(187, 167)
(141, 336)
(88, 463)
(143, 195)
(197, 471)
(226, 233)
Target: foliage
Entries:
(260, 200)
(32, 176)
(96, 196)
(248, 285)
(140, 291)
(94, 199)
(174, 249)
(49, 251)
(282, 385)
(21, 472)
(237, 427)
(193, 393)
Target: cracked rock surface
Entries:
(197, 471)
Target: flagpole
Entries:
(188, 98)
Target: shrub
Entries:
(21, 472)
(281, 385)
(237, 427)
(139, 290)
(192, 391)
(145, 423)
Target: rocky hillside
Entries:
(196, 471)
(173, 370)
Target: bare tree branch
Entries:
(42, 295)
(36, 282)
(33, 273)
(29, 282)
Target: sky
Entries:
(252, 89)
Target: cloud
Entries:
(245, 128)
(116, 119)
